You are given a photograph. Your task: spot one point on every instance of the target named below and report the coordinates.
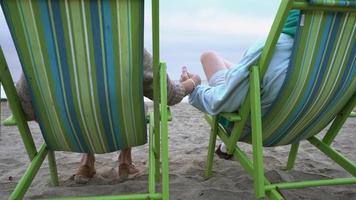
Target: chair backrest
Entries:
(347, 3)
(321, 78)
(84, 64)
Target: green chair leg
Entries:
(53, 168)
(157, 151)
(152, 163)
(26, 180)
(156, 83)
(257, 143)
(212, 142)
(10, 121)
(292, 156)
(164, 133)
(340, 119)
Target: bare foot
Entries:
(84, 174)
(86, 170)
(127, 171)
(126, 168)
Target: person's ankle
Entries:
(88, 161)
(125, 157)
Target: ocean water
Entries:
(188, 28)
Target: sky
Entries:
(188, 28)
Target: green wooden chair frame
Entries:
(158, 131)
(251, 107)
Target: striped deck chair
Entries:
(320, 89)
(84, 64)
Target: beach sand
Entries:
(188, 137)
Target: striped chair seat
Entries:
(84, 64)
(320, 80)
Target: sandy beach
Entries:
(188, 134)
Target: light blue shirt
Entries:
(229, 95)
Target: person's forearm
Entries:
(175, 91)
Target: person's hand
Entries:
(185, 74)
(189, 81)
(196, 78)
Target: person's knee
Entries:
(208, 55)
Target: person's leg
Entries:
(86, 168)
(126, 166)
(212, 62)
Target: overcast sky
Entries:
(189, 27)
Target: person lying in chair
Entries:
(176, 91)
(228, 82)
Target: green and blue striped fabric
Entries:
(347, 3)
(320, 80)
(84, 64)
